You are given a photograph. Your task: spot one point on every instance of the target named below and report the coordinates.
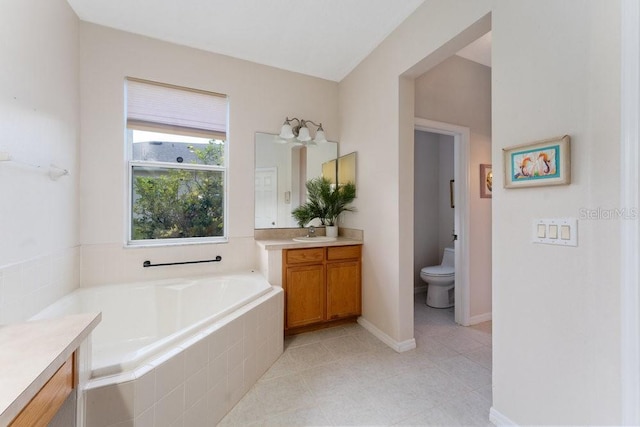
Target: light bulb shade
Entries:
(286, 132)
(303, 134)
(320, 138)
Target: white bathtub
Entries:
(150, 328)
(141, 320)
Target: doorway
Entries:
(461, 137)
(434, 207)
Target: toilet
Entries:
(440, 280)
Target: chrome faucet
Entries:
(312, 231)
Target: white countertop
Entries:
(31, 352)
(276, 244)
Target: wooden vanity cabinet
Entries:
(46, 403)
(322, 286)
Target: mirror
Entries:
(330, 170)
(281, 171)
(347, 168)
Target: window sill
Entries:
(164, 244)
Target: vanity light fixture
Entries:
(299, 132)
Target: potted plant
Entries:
(326, 202)
(336, 202)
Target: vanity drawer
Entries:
(343, 252)
(301, 256)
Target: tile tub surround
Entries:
(346, 376)
(29, 286)
(197, 383)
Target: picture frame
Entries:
(536, 164)
(486, 181)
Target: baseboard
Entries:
(399, 346)
(498, 419)
(474, 320)
(419, 289)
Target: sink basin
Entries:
(318, 239)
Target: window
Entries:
(177, 148)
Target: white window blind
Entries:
(160, 107)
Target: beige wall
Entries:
(377, 119)
(39, 111)
(556, 323)
(458, 91)
(259, 99)
(555, 70)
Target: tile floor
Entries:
(346, 376)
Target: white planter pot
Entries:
(331, 230)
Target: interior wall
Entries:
(260, 97)
(558, 308)
(39, 106)
(426, 209)
(446, 212)
(556, 68)
(376, 115)
(458, 91)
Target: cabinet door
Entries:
(305, 295)
(343, 289)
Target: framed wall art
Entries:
(486, 181)
(539, 163)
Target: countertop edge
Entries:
(82, 325)
(278, 244)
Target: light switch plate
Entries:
(556, 231)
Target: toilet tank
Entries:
(449, 257)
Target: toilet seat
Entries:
(438, 270)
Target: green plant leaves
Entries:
(325, 201)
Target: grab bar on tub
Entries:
(148, 263)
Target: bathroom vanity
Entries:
(322, 286)
(321, 277)
(322, 280)
(39, 367)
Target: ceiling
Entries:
(321, 38)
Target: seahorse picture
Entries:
(545, 162)
(535, 164)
